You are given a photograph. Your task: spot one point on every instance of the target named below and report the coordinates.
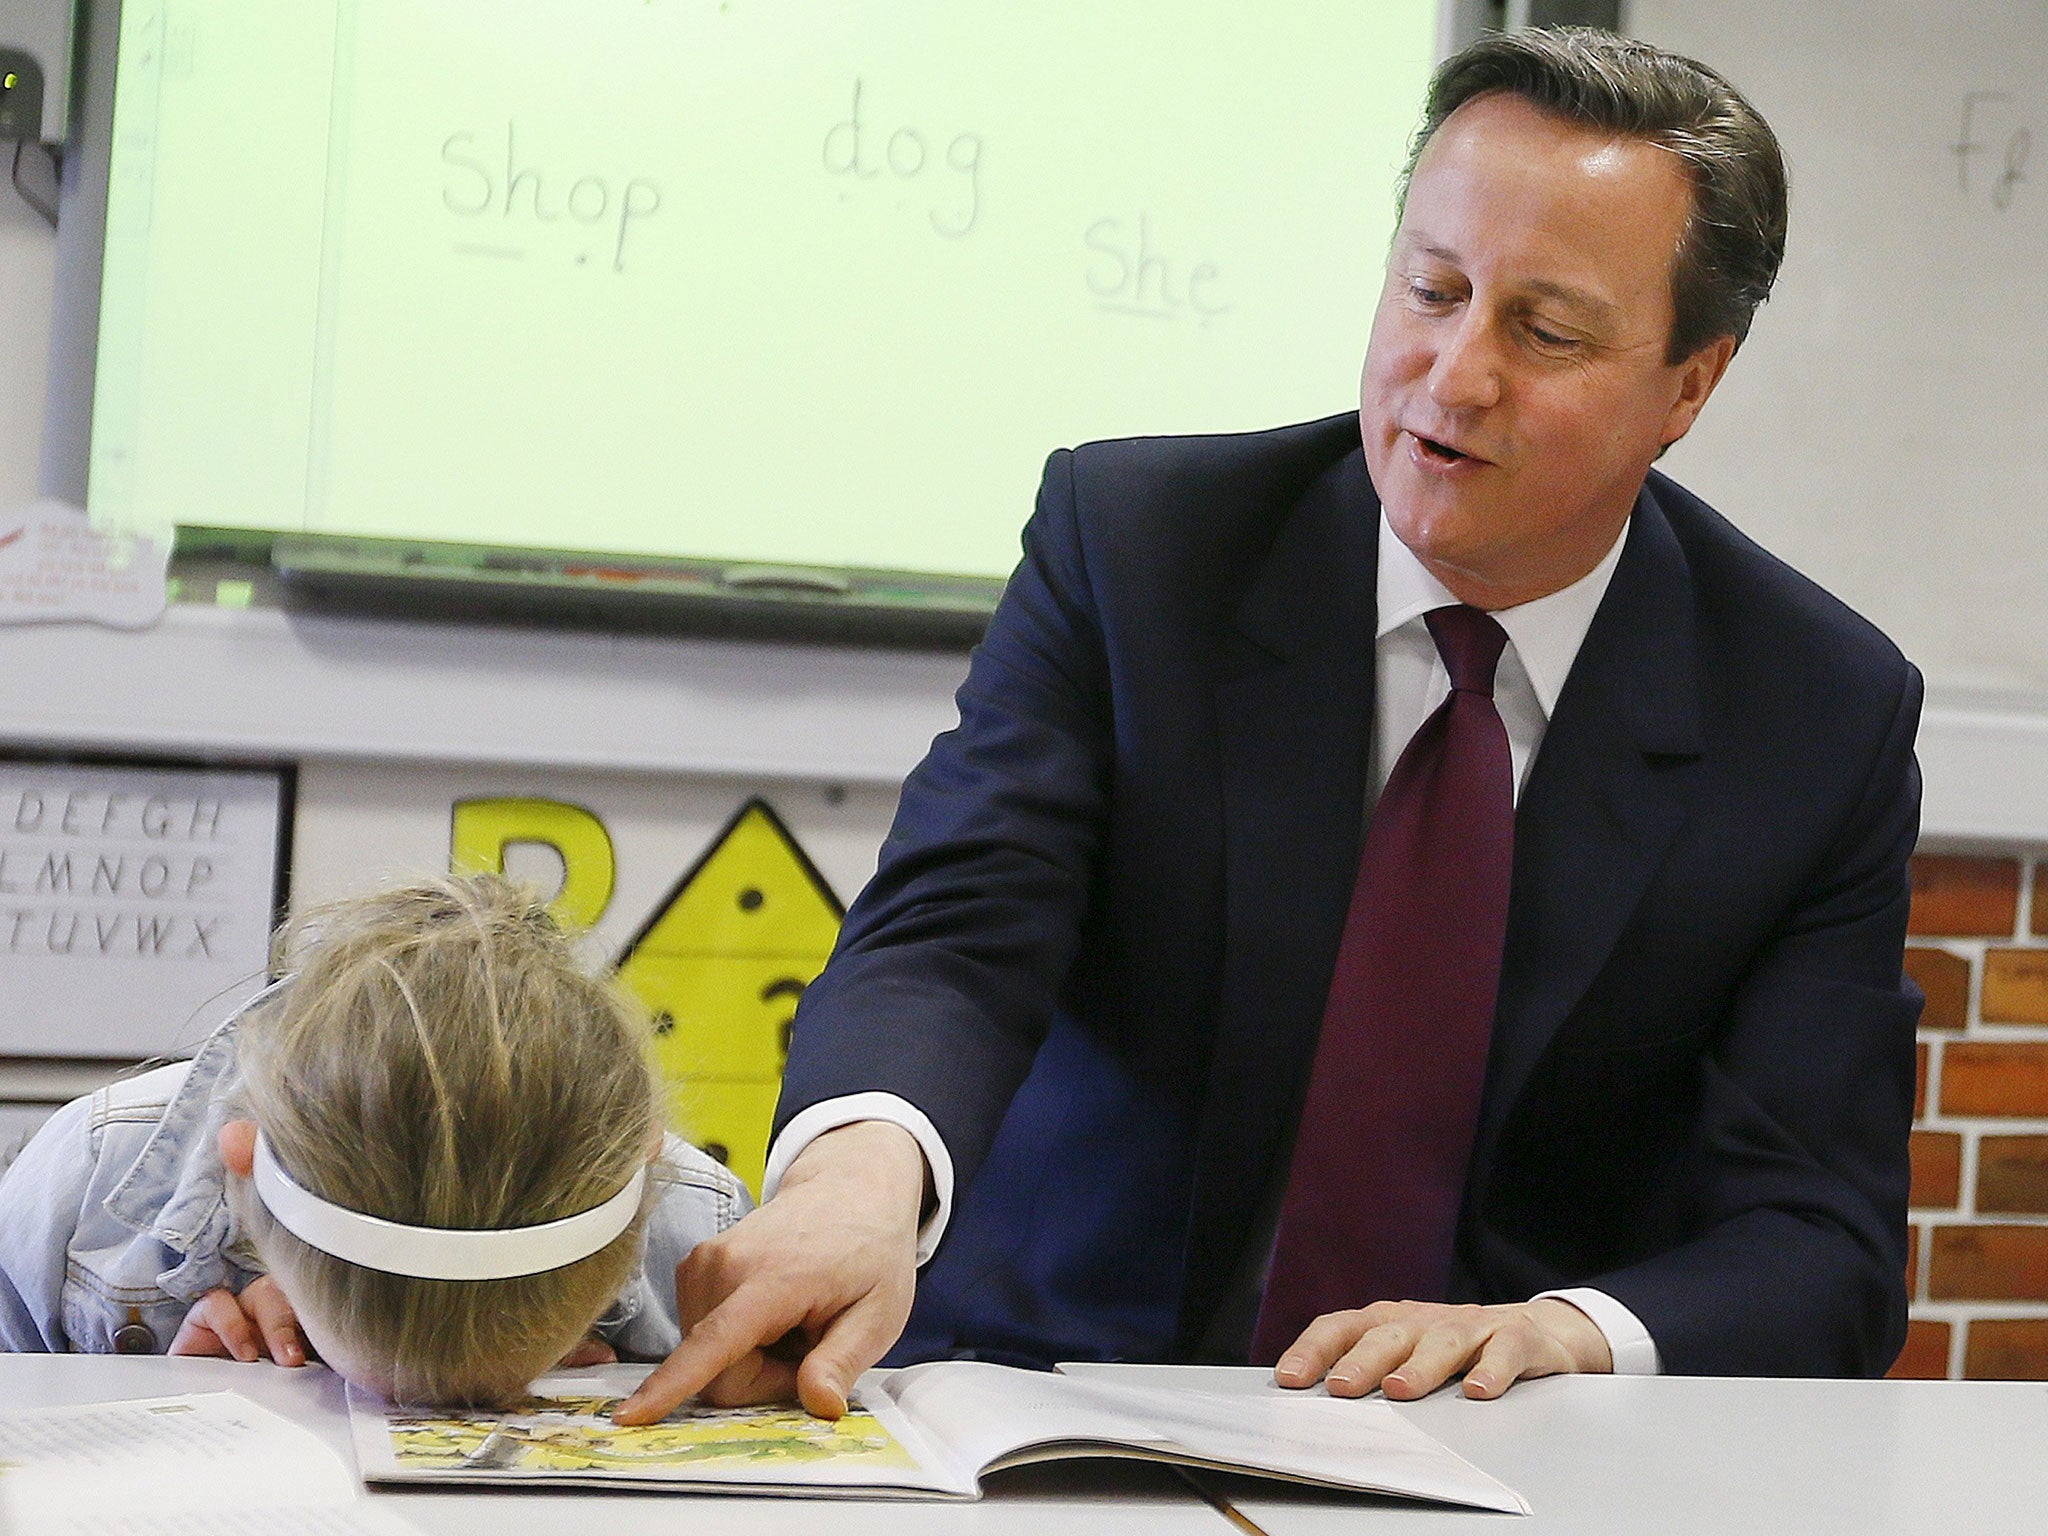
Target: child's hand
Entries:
(258, 1323)
(592, 1350)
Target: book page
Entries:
(984, 1413)
(563, 1433)
(1345, 1444)
(203, 1464)
(994, 1416)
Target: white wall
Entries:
(1882, 428)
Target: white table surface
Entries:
(1594, 1455)
(1704, 1456)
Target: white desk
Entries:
(1595, 1456)
(1700, 1456)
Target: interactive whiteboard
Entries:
(812, 281)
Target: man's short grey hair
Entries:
(1729, 252)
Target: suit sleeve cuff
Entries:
(830, 1114)
(1634, 1351)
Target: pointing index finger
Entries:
(743, 1322)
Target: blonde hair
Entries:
(442, 1059)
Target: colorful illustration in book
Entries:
(721, 965)
(576, 1434)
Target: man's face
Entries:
(1515, 390)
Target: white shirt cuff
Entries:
(830, 1114)
(1634, 1351)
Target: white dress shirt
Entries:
(1544, 637)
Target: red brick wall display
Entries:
(1978, 1276)
(1965, 896)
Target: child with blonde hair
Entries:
(433, 1148)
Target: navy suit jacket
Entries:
(1097, 946)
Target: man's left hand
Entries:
(1408, 1349)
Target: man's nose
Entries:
(1466, 372)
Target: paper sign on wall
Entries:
(135, 903)
(55, 564)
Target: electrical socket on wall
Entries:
(21, 96)
(35, 70)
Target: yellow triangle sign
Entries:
(720, 966)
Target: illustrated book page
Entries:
(562, 1433)
(925, 1430)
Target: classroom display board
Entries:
(1885, 428)
(812, 281)
(136, 902)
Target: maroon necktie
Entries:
(1371, 1208)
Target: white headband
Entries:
(441, 1253)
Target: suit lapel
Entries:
(1294, 707)
(1610, 788)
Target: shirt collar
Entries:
(1546, 633)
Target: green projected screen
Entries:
(762, 280)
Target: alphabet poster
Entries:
(135, 903)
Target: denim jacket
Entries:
(114, 1220)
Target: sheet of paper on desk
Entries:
(204, 1464)
(268, 1520)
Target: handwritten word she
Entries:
(97, 814)
(1127, 273)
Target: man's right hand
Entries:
(831, 1260)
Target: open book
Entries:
(923, 1431)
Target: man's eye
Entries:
(1424, 293)
(1552, 339)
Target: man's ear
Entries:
(238, 1146)
(1697, 376)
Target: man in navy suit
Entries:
(1086, 984)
